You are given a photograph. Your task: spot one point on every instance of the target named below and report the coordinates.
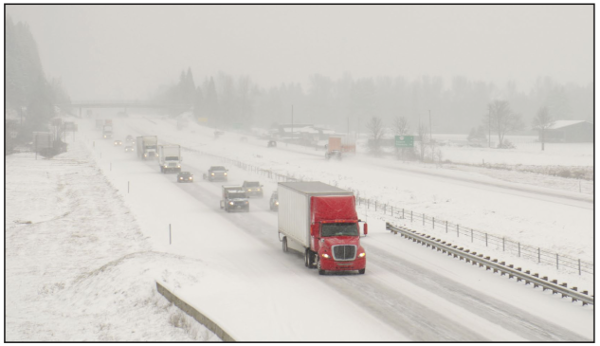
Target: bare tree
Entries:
(502, 119)
(375, 127)
(542, 122)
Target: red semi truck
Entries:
(320, 221)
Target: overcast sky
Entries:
(118, 51)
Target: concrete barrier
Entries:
(197, 315)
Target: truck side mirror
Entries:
(366, 229)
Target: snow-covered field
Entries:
(78, 267)
(107, 231)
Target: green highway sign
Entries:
(404, 141)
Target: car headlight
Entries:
(212, 174)
(178, 166)
(166, 166)
(191, 178)
(230, 203)
(180, 178)
(249, 190)
(225, 173)
(325, 255)
(145, 155)
(277, 203)
(361, 255)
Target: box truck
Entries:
(169, 158)
(146, 147)
(320, 221)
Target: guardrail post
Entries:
(503, 244)
(446, 226)
(486, 243)
(411, 216)
(403, 213)
(556, 261)
(519, 249)
(375, 205)
(579, 265)
(384, 209)
(433, 222)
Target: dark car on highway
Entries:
(185, 177)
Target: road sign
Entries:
(404, 141)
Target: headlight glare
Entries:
(361, 255)
(325, 255)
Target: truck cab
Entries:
(234, 199)
(216, 173)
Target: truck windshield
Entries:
(172, 158)
(339, 229)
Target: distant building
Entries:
(569, 131)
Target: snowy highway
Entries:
(257, 292)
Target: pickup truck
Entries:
(216, 173)
(253, 189)
(234, 199)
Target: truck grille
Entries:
(344, 252)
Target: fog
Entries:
(124, 52)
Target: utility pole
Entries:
(489, 128)
(431, 138)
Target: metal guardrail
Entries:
(493, 264)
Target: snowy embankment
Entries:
(77, 266)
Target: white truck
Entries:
(146, 147)
(320, 221)
(169, 158)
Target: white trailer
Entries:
(294, 216)
(107, 131)
(169, 158)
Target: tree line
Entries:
(30, 96)
(347, 104)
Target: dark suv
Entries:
(234, 199)
(253, 189)
(216, 173)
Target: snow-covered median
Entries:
(77, 266)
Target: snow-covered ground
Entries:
(231, 266)
(78, 267)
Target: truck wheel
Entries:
(307, 258)
(321, 271)
(362, 271)
(284, 245)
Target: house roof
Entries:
(559, 124)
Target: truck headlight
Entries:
(325, 255)
(249, 190)
(277, 203)
(212, 174)
(225, 173)
(191, 178)
(180, 178)
(166, 166)
(361, 255)
(178, 166)
(230, 203)
(145, 155)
